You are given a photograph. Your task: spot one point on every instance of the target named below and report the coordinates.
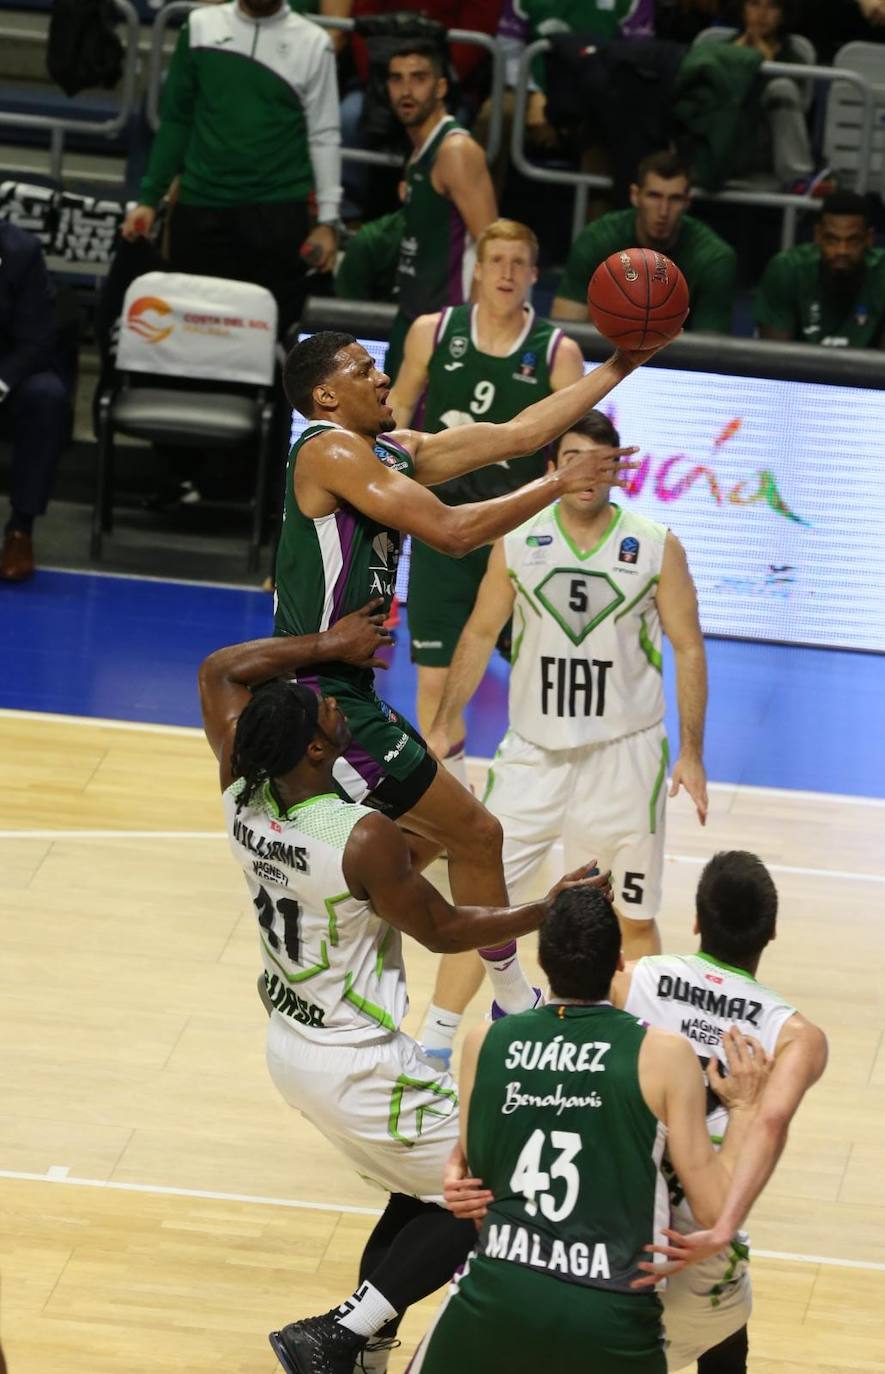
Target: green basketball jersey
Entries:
(465, 385)
(792, 297)
(331, 566)
(559, 1131)
(436, 256)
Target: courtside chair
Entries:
(196, 330)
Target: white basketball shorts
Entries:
(385, 1107)
(605, 801)
(696, 1317)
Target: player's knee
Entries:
(487, 833)
(42, 391)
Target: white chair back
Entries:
(842, 128)
(177, 325)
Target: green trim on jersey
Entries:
(382, 952)
(656, 790)
(597, 619)
(273, 805)
(396, 1106)
(331, 903)
(625, 610)
(363, 1004)
(654, 656)
(729, 968)
(618, 511)
(305, 973)
(523, 592)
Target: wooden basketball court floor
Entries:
(162, 1208)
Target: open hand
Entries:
(690, 773)
(682, 1253)
(602, 465)
(361, 634)
(468, 1199)
(586, 876)
(748, 1070)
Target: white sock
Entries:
(456, 764)
(440, 1028)
(365, 1311)
(512, 990)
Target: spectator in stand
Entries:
(367, 270)
(832, 291)
(468, 60)
(779, 142)
(837, 22)
(35, 407)
(682, 20)
(660, 197)
(250, 120)
(449, 198)
(468, 63)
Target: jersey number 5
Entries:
(290, 914)
(533, 1183)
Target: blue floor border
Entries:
(128, 648)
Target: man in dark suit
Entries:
(35, 406)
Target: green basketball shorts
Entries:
(442, 594)
(500, 1316)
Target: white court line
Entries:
(95, 835)
(194, 731)
(57, 1174)
(113, 835)
(105, 722)
(842, 874)
(147, 577)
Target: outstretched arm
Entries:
(225, 677)
(494, 605)
(338, 467)
(378, 868)
(451, 452)
(677, 604)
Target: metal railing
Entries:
(181, 8)
(715, 353)
(58, 126)
(789, 204)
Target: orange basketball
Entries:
(638, 298)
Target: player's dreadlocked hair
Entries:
(272, 733)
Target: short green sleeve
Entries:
(776, 304)
(587, 252)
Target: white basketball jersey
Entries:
(333, 968)
(698, 997)
(586, 661)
